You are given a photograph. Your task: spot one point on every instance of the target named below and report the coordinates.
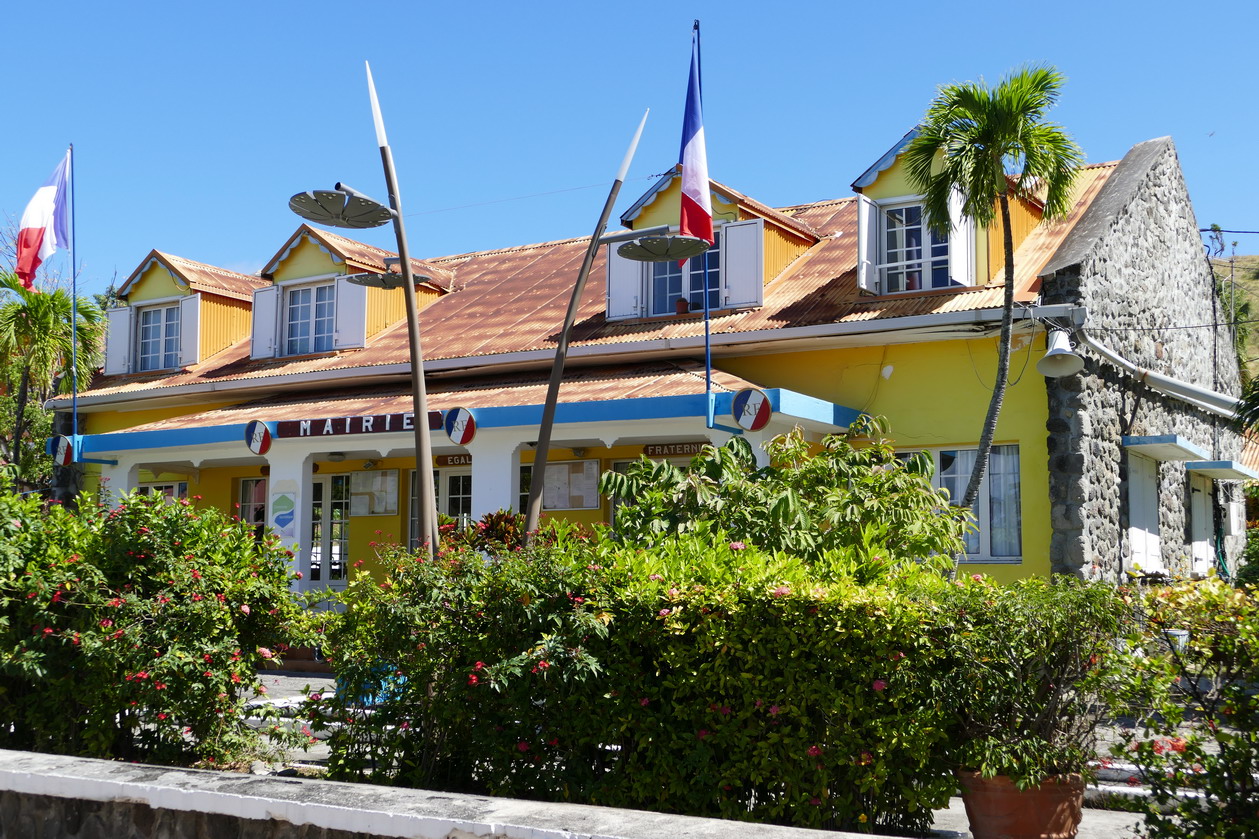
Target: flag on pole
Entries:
(697, 207)
(45, 224)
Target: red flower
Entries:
(814, 751)
(473, 680)
(879, 685)
(480, 665)
(522, 747)
(106, 623)
(702, 733)
(644, 702)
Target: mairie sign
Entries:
(372, 424)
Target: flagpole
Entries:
(74, 320)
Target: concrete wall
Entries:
(1136, 262)
(55, 797)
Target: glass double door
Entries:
(329, 531)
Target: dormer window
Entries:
(673, 281)
(735, 268)
(900, 252)
(158, 337)
(309, 319)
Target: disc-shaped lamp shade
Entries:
(663, 248)
(338, 209)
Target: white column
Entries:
(495, 472)
(288, 505)
(118, 480)
(757, 440)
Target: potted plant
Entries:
(1032, 665)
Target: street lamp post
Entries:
(344, 207)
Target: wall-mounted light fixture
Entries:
(579, 451)
(369, 464)
(336, 457)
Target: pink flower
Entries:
(815, 801)
(522, 747)
(879, 685)
(814, 751)
(737, 546)
(773, 710)
(702, 733)
(264, 652)
(979, 578)
(244, 607)
(644, 702)
(664, 613)
(106, 623)
(473, 679)
(781, 591)
(655, 577)
(480, 665)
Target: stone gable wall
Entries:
(1144, 281)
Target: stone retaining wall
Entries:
(55, 797)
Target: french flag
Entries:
(697, 207)
(45, 224)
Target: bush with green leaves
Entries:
(135, 632)
(702, 676)
(855, 492)
(1032, 664)
(1193, 687)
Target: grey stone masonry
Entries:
(1136, 262)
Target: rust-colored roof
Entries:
(1250, 451)
(200, 277)
(361, 255)
(514, 299)
(589, 384)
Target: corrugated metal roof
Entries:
(200, 277)
(514, 299)
(582, 385)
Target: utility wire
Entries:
(522, 197)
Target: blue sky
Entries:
(193, 123)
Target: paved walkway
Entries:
(949, 822)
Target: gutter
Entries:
(1220, 404)
(961, 324)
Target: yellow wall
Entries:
(781, 249)
(156, 283)
(224, 321)
(1023, 218)
(306, 260)
(105, 422)
(933, 400)
(666, 208)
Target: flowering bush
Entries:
(1194, 689)
(704, 676)
(135, 632)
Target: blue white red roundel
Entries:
(258, 437)
(460, 426)
(751, 409)
(62, 451)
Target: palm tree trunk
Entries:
(1003, 363)
(19, 418)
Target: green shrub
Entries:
(855, 493)
(702, 676)
(1031, 665)
(1193, 686)
(134, 633)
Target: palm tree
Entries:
(35, 351)
(988, 144)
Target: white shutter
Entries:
(625, 293)
(743, 264)
(190, 330)
(1200, 523)
(867, 245)
(1147, 553)
(351, 314)
(961, 242)
(118, 340)
(266, 322)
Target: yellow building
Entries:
(287, 394)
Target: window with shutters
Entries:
(1145, 550)
(158, 335)
(731, 273)
(901, 253)
(304, 317)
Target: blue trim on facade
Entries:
(794, 406)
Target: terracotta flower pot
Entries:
(997, 809)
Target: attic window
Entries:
(673, 281)
(900, 253)
(158, 337)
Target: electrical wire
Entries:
(524, 197)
